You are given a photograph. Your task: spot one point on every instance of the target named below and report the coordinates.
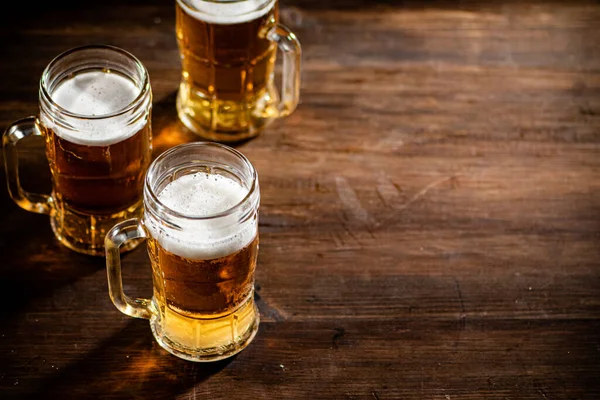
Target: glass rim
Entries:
(186, 4)
(220, 1)
(124, 110)
(231, 210)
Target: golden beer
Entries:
(204, 303)
(101, 180)
(228, 52)
(95, 106)
(201, 224)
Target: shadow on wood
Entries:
(136, 366)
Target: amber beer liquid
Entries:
(204, 273)
(227, 65)
(98, 162)
(227, 91)
(95, 117)
(200, 221)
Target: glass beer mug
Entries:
(228, 50)
(95, 106)
(201, 227)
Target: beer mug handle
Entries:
(289, 45)
(34, 202)
(122, 232)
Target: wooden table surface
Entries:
(430, 218)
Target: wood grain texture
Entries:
(430, 218)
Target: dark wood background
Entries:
(430, 219)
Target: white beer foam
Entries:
(201, 194)
(226, 13)
(94, 94)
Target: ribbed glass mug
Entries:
(228, 50)
(95, 117)
(200, 221)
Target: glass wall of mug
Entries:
(201, 205)
(95, 106)
(228, 50)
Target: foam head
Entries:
(95, 94)
(201, 194)
(227, 13)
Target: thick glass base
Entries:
(85, 233)
(223, 120)
(206, 339)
